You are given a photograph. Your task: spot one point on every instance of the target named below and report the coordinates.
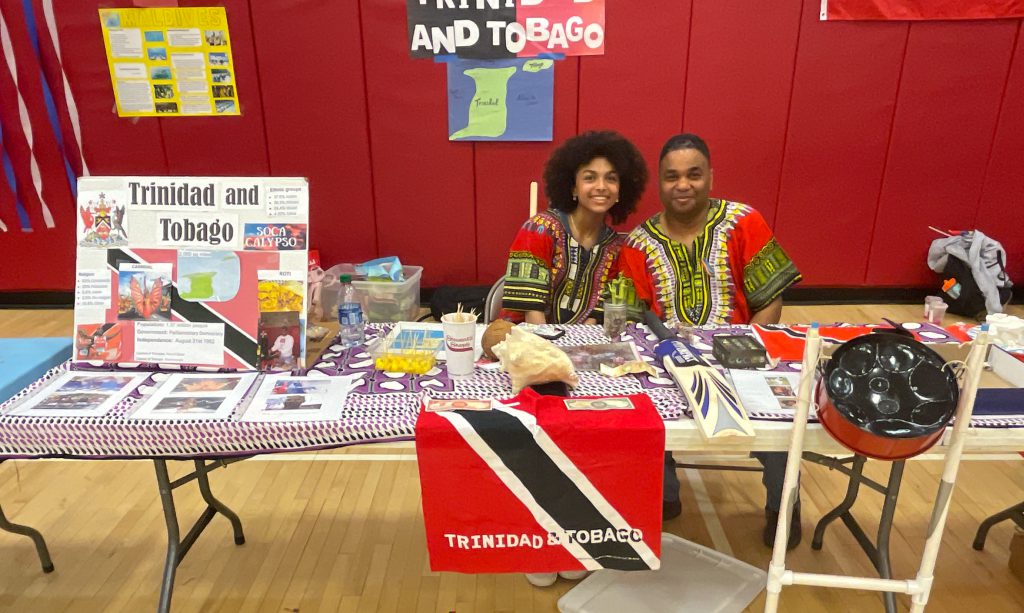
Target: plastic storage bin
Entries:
(692, 579)
(382, 301)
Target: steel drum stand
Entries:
(920, 586)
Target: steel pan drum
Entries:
(886, 396)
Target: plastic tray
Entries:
(407, 350)
(692, 579)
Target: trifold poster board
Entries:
(198, 271)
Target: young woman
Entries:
(562, 258)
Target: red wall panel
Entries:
(1001, 214)
(313, 91)
(953, 78)
(234, 145)
(112, 145)
(503, 174)
(8, 212)
(56, 191)
(737, 93)
(841, 111)
(640, 92)
(423, 184)
(861, 133)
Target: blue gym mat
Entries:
(23, 360)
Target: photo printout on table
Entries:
(766, 391)
(79, 394)
(196, 396)
(300, 399)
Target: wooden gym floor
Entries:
(342, 530)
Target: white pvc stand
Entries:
(920, 587)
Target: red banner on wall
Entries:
(542, 484)
(916, 10)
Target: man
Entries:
(284, 348)
(713, 261)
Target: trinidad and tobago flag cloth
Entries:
(543, 484)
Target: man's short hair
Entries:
(685, 141)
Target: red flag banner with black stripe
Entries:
(543, 484)
(919, 10)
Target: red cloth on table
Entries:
(536, 487)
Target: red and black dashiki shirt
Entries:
(735, 267)
(549, 271)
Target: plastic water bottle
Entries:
(350, 315)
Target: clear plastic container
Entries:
(615, 318)
(936, 312)
(382, 301)
(692, 579)
(413, 352)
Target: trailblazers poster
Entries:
(179, 270)
(170, 62)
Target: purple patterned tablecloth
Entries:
(382, 408)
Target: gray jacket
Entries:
(983, 255)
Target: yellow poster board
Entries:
(167, 62)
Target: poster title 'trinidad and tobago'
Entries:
(493, 29)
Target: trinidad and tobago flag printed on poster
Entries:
(543, 484)
(916, 10)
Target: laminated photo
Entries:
(79, 394)
(592, 357)
(295, 402)
(766, 392)
(196, 396)
(299, 399)
(189, 405)
(207, 383)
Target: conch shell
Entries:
(530, 360)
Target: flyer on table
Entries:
(202, 271)
(170, 62)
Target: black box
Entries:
(739, 351)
